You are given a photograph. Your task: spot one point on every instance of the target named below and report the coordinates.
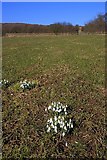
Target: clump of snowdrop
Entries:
(27, 84)
(4, 83)
(59, 121)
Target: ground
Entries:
(67, 69)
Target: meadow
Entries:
(67, 69)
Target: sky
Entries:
(51, 12)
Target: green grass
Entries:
(27, 56)
(69, 69)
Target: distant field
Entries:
(69, 69)
(24, 57)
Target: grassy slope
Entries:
(69, 69)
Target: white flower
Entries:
(55, 123)
(63, 134)
(48, 130)
(55, 118)
(59, 117)
(71, 125)
(52, 125)
(47, 126)
(59, 121)
(64, 109)
(59, 110)
(76, 142)
(49, 107)
(55, 129)
(22, 86)
(65, 128)
(51, 121)
(63, 118)
(63, 106)
(61, 126)
(48, 120)
(68, 124)
(66, 144)
(65, 113)
(53, 109)
(45, 109)
(53, 103)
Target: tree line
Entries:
(98, 25)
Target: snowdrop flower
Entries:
(55, 129)
(59, 117)
(55, 118)
(67, 124)
(59, 122)
(53, 109)
(49, 107)
(52, 125)
(48, 130)
(64, 109)
(66, 144)
(48, 120)
(22, 86)
(52, 103)
(65, 128)
(45, 109)
(59, 110)
(65, 113)
(51, 121)
(63, 134)
(62, 118)
(63, 106)
(71, 125)
(27, 85)
(76, 142)
(55, 123)
(61, 126)
(47, 126)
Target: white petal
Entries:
(45, 109)
(66, 144)
(49, 107)
(71, 125)
(63, 134)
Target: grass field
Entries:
(67, 69)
